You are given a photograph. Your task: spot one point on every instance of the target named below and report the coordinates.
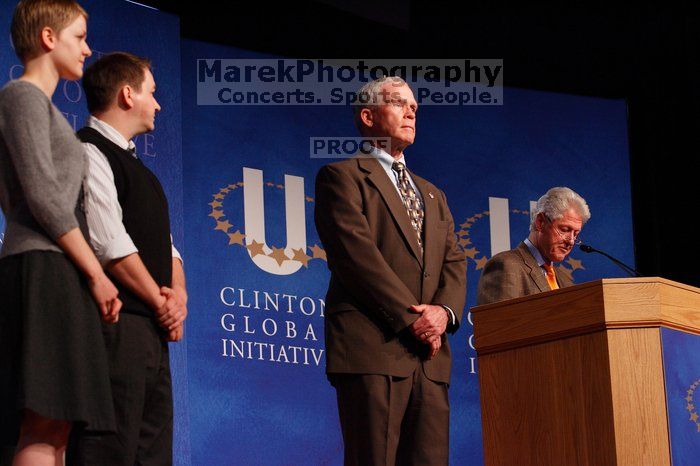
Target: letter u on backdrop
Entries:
(254, 206)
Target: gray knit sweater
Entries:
(42, 165)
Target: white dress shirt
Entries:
(386, 161)
(536, 254)
(108, 235)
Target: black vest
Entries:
(145, 215)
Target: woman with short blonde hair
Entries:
(53, 364)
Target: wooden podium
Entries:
(576, 376)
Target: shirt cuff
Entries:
(450, 313)
(176, 253)
(119, 246)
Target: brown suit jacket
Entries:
(514, 273)
(377, 271)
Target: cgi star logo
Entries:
(270, 258)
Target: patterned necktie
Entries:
(551, 277)
(413, 204)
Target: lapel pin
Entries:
(431, 195)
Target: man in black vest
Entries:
(127, 214)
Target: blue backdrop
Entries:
(249, 378)
(682, 377)
(249, 404)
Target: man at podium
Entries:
(555, 226)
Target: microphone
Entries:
(622, 265)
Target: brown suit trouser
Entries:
(393, 420)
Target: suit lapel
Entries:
(535, 270)
(562, 279)
(377, 176)
(430, 220)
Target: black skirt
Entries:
(52, 355)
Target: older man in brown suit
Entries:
(398, 283)
(528, 269)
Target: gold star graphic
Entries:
(240, 183)
(481, 263)
(575, 264)
(301, 256)
(515, 211)
(255, 248)
(564, 271)
(465, 224)
(217, 214)
(690, 407)
(280, 186)
(309, 199)
(471, 219)
(223, 226)
(218, 196)
(467, 241)
(690, 392)
(278, 255)
(232, 186)
(464, 241)
(461, 232)
(225, 190)
(688, 398)
(479, 215)
(318, 252)
(236, 238)
(471, 253)
(215, 204)
(694, 417)
(269, 183)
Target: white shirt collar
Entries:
(385, 159)
(110, 133)
(535, 252)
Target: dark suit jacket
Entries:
(514, 273)
(377, 271)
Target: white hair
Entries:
(556, 202)
(368, 96)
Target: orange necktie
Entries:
(551, 277)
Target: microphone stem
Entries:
(620, 264)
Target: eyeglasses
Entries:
(566, 235)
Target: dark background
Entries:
(646, 54)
